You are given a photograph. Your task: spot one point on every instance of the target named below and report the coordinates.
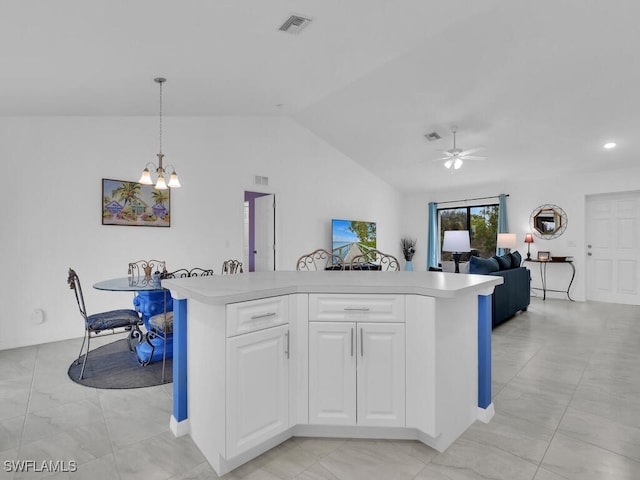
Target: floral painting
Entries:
(132, 203)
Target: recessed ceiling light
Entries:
(610, 145)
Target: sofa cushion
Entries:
(516, 259)
(504, 261)
(482, 266)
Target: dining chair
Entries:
(114, 321)
(161, 325)
(376, 258)
(144, 269)
(319, 259)
(231, 266)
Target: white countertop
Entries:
(223, 289)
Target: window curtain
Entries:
(502, 219)
(432, 236)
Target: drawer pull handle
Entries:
(263, 315)
(356, 309)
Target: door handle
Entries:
(352, 341)
(361, 343)
(287, 345)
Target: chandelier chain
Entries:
(160, 116)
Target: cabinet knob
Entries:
(589, 253)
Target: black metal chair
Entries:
(98, 323)
(230, 267)
(161, 325)
(375, 257)
(319, 260)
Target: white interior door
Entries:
(264, 251)
(613, 256)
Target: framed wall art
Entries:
(135, 204)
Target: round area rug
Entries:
(115, 366)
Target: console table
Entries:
(543, 276)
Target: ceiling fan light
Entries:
(457, 163)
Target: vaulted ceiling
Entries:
(541, 85)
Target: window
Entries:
(482, 223)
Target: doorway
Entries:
(613, 247)
(259, 231)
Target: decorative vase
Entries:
(408, 265)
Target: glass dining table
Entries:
(150, 299)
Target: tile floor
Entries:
(566, 392)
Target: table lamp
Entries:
(456, 242)
(506, 241)
(528, 239)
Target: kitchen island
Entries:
(261, 357)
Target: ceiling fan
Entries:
(455, 156)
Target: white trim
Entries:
(486, 414)
(179, 428)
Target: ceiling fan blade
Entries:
(441, 159)
(446, 152)
(472, 157)
(471, 150)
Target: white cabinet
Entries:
(257, 388)
(356, 373)
(332, 373)
(381, 381)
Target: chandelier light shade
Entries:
(160, 171)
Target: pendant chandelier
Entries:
(145, 179)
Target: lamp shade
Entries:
(456, 241)
(506, 240)
(528, 238)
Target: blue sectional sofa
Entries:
(514, 294)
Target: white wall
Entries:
(569, 193)
(51, 209)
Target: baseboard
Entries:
(179, 428)
(486, 414)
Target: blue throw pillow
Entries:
(516, 259)
(482, 266)
(504, 261)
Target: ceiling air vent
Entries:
(294, 24)
(432, 136)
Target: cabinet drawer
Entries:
(353, 307)
(245, 317)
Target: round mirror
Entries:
(548, 221)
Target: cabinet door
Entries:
(332, 373)
(381, 374)
(257, 388)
